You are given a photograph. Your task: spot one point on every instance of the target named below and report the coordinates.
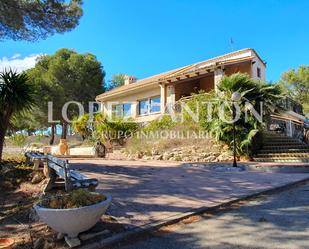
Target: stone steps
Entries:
(281, 140)
(275, 143)
(280, 148)
(285, 146)
(282, 160)
(270, 155)
(283, 151)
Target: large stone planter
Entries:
(73, 221)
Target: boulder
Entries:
(154, 152)
(39, 243)
(158, 157)
(37, 178)
(225, 157)
(211, 159)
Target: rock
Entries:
(154, 152)
(225, 157)
(39, 243)
(186, 159)
(60, 236)
(158, 157)
(43, 182)
(210, 159)
(48, 245)
(36, 179)
(195, 158)
(205, 154)
(139, 155)
(167, 156)
(7, 184)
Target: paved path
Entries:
(279, 221)
(145, 192)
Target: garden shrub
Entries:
(163, 123)
(18, 139)
(74, 199)
(103, 129)
(118, 128)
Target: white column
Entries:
(170, 93)
(106, 110)
(162, 98)
(134, 111)
(103, 108)
(109, 108)
(218, 75)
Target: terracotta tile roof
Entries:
(235, 56)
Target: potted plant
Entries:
(64, 147)
(72, 213)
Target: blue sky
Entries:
(143, 38)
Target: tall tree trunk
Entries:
(2, 137)
(64, 130)
(3, 128)
(52, 135)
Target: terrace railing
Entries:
(289, 104)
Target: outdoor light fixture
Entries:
(235, 98)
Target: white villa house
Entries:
(145, 99)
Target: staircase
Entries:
(281, 148)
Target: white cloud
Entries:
(16, 62)
(15, 56)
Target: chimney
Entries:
(129, 79)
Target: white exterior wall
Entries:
(133, 99)
(258, 64)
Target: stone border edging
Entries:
(196, 211)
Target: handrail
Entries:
(290, 104)
(282, 118)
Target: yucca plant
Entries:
(16, 94)
(82, 126)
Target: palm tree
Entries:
(251, 91)
(16, 95)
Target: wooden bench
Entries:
(36, 158)
(59, 168)
(72, 179)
